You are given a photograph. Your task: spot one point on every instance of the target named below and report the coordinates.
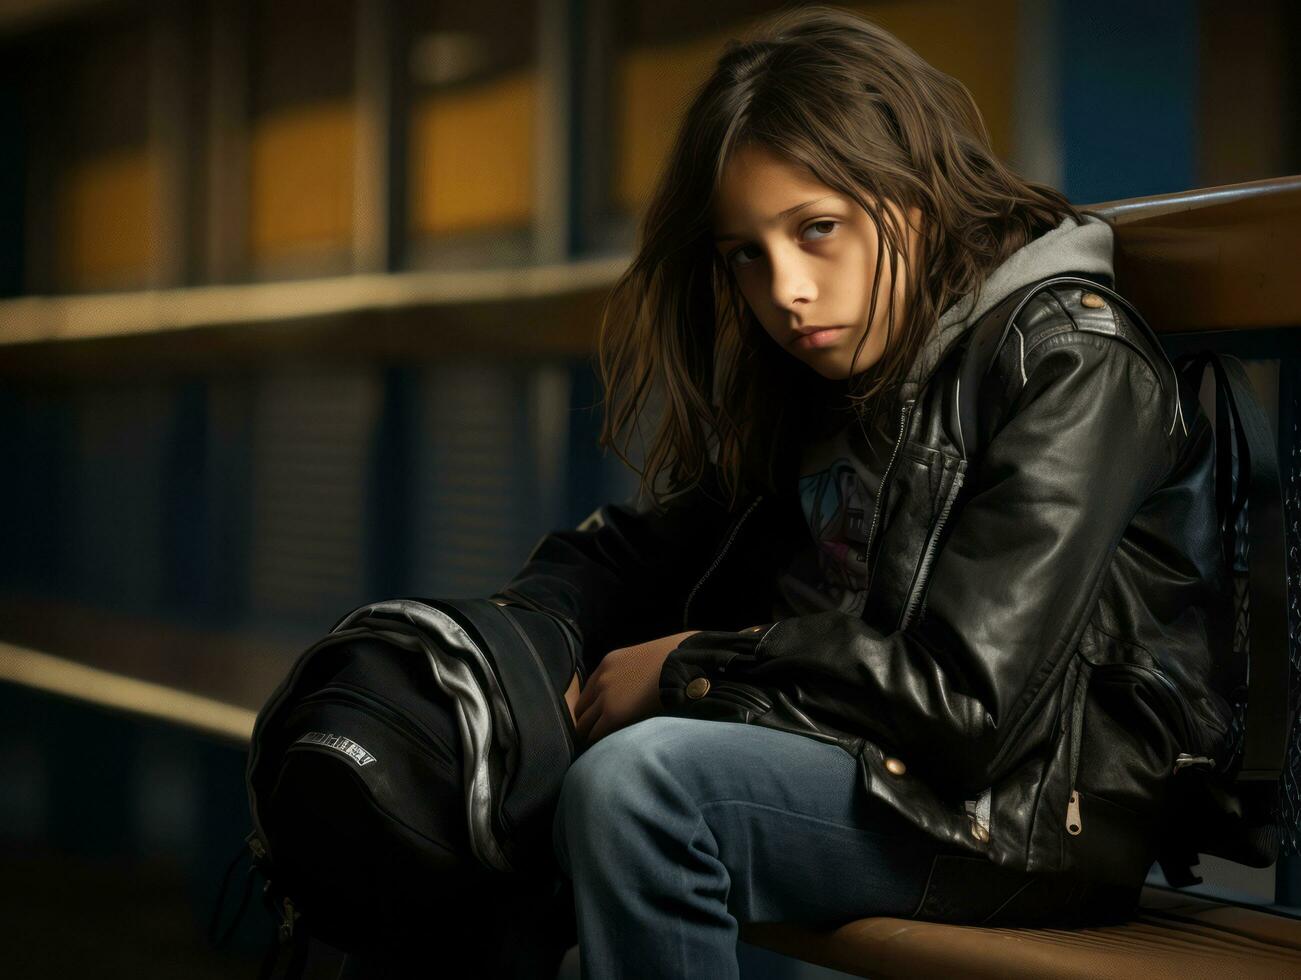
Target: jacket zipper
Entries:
(884, 488)
(1074, 825)
(686, 606)
(928, 556)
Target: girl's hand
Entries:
(624, 688)
(571, 696)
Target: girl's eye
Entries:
(827, 226)
(826, 223)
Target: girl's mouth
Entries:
(818, 338)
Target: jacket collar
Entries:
(1070, 247)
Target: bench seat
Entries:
(1174, 935)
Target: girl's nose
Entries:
(792, 286)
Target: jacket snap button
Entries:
(895, 766)
(979, 832)
(698, 688)
(1093, 301)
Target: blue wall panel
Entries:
(1129, 89)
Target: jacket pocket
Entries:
(1125, 725)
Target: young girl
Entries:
(852, 660)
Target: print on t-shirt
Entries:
(838, 484)
(835, 502)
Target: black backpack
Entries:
(402, 781)
(1227, 807)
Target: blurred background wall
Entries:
(298, 300)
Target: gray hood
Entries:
(1070, 247)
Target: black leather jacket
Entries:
(1037, 647)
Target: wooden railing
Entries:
(1220, 258)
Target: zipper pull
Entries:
(290, 915)
(1073, 825)
(256, 846)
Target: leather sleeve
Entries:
(1085, 441)
(621, 576)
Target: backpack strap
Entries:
(984, 341)
(1243, 434)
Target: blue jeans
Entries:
(675, 830)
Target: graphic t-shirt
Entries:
(838, 483)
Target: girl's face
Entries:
(804, 257)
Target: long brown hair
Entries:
(834, 93)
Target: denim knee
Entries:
(612, 786)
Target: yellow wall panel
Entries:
(966, 40)
(974, 42)
(301, 179)
(656, 84)
(472, 157)
(102, 221)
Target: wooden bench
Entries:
(1175, 935)
(1209, 268)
